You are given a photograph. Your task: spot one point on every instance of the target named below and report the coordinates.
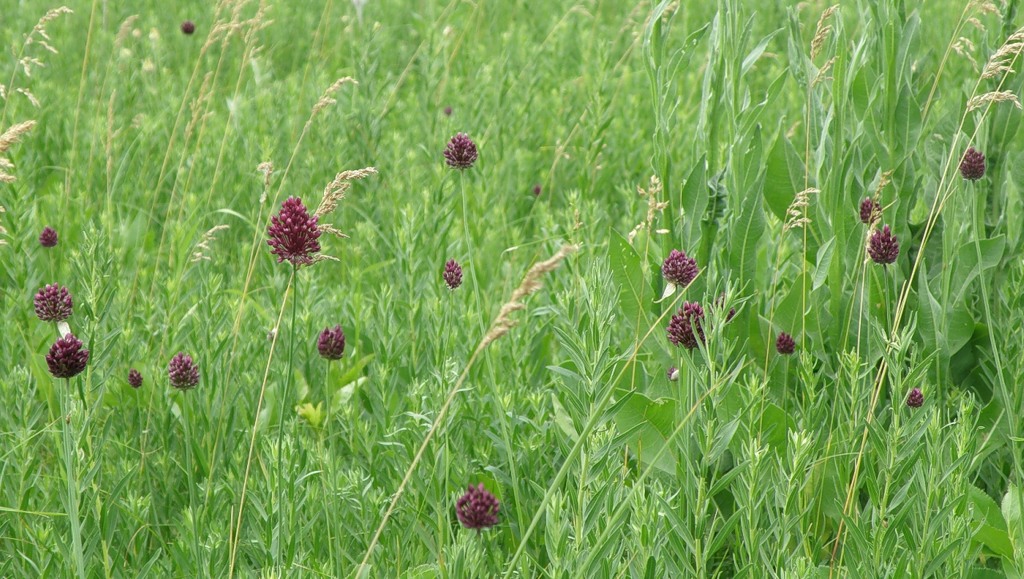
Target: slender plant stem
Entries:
(190, 475)
(283, 407)
(70, 458)
(469, 243)
(252, 437)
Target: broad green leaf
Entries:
(781, 181)
(629, 276)
(775, 427)
(789, 313)
(563, 420)
(695, 201)
(746, 235)
(824, 261)
(967, 263)
(651, 423)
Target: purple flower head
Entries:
(870, 211)
(883, 247)
(183, 372)
(679, 268)
(720, 303)
(915, 399)
(686, 329)
(331, 343)
(452, 274)
(48, 237)
(188, 27)
(447, 111)
(460, 153)
(53, 303)
(673, 374)
(134, 378)
(536, 190)
(784, 344)
(972, 166)
(67, 358)
(293, 233)
(477, 509)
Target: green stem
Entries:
(190, 475)
(283, 407)
(1009, 403)
(469, 245)
(70, 457)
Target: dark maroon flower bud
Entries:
(784, 344)
(536, 190)
(460, 152)
(331, 343)
(915, 399)
(188, 27)
(48, 237)
(673, 374)
(67, 358)
(870, 211)
(477, 509)
(183, 372)
(447, 111)
(972, 166)
(883, 247)
(720, 303)
(53, 303)
(134, 378)
(679, 268)
(293, 233)
(452, 274)
(685, 329)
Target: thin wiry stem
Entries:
(283, 406)
(255, 423)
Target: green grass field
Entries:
(889, 443)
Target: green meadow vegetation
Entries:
(469, 288)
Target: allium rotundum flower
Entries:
(183, 372)
(883, 247)
(134, 378)
(460, 153)
(331, 343)
(188, 27)
(477, 509)
(915, 399)
(536, 190)
(679, 268)
(784, 344)
(972, 166)
(673, 374)
(452, 274)
(293, 233)
(870, 211)
(67, 358)
(447, 111)
(686, 328)
(53, 303)
(48, 237)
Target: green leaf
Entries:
(695, 201)
(967, 263)
(789, 313)
(824, 262)
(563, 420)
(629, 276)
(775, 426)
(781, 181)
(650, 423)
(746, 235)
